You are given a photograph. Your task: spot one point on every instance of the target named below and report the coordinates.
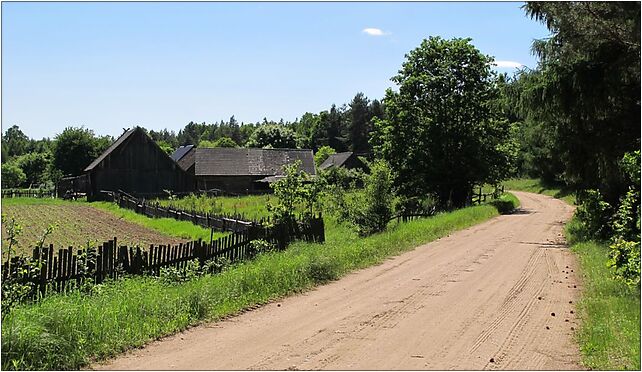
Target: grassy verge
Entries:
(538, 187)
(168, 226)
(609, 336)
(66, 331)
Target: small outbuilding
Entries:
(184, 157)
(348, 160)
(135, 164)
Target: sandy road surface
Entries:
(485, 292)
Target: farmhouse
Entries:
(348, 160)
(135, 164)
(242, 171)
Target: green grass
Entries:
(35, 201)
(68, 331)
(251, 206)
(168, 226)
(536, 186)
(609, 336)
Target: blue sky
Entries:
(160, 65)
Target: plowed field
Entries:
(76, 224)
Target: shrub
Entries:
(322, 154)
(371, 210)
(323, 269)
(342, 177)
(12, 176)
(625, 260)
(415, 205)
(594, 215)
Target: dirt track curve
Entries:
(482, 298)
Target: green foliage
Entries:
(359, 123)
(443, 132)
(371, 210)
(295, 189)
(225, 142)
(272, 136)
(342, 177)
(35, 166)
(322, 154)
(259, 246)
(172, 275)
(221, 142)
(624, 258)
(75, 148)
(165, 146)
(12, 175)
(14, 143)
(415, 205)
(594, 215)
(20, 284)
(586, 90)
(609, 335)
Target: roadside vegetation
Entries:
(66, 331)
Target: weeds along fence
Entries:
(47, 272)
(219, 222)
(28, 193)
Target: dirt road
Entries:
(500, 295)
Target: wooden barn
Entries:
(245, 171)
(135, 164)
(348, 160)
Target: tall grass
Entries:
(251, 206)
(67, 331)
(168, 226)
(609, 336)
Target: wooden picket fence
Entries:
(69, 268)
(218, 222)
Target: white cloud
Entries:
(375, 32)
(508, 64)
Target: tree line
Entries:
(28, 162)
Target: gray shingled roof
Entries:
(335, 160)
(221, 161)
(111, 148)
(181, 151)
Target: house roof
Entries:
(111, 148)
(181, 151)
(336, 160)
(221, 161)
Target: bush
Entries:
(415, 205)
(323, 269)
(625, 260)
(594, 215)
(342, 177)
(12, 176)
(371, 210)
(322, 154)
